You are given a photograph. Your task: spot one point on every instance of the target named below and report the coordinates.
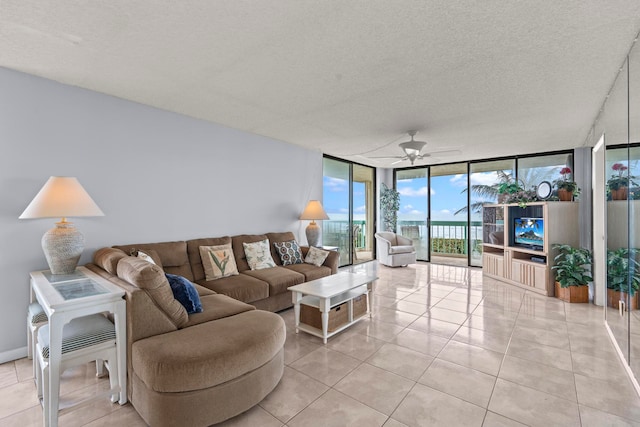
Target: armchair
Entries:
(394, 250)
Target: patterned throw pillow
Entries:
(218, 261)
(258, 255)
(316, 256)
(289, 252)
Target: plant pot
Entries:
(619, 194)
(565, 195)
(614, 297)
(572, 294)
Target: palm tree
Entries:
(488, 193)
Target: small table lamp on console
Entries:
(62, 197)
(313, 211)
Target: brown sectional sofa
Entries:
(203, 368)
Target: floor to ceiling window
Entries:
(413, 217)
(441, 205)
(483, 180)
(449, 232)
(349, 200)
(535, 169)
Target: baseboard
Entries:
(11, 355)
(627, 368)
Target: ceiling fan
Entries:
(413, 151)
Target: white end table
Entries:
(65, 297)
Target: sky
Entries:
(447, 196)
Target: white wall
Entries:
(158, 176)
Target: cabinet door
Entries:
(507, 265)
(493, 264)
(529, 274)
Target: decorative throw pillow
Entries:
(289, 252)
(258, 255)
(316, 256)
(218, 261)
(148, 255)
(145, 256)
(186, 294)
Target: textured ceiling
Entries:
(488, 78)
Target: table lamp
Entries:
(62, 197)
(313, 211)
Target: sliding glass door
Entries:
(413, 217)
(349, 200)
(449, 221)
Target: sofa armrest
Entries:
(384, 246)
(332, 261)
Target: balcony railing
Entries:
(336, 233)
(447, 237)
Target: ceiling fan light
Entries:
(413, 148)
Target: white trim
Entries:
(627, 368)
(11, 355)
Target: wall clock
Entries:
(543, 191)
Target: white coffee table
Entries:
(329, 292)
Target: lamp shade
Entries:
(314, 211)
(60, 197)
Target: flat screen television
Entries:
(528, 233)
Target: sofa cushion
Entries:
(289, 252)
(310, 271)
(218, 261)
(193, 252)
(217, 306)
(258, 255)
(238, 248)
(208, 354)
(401, 250)
(286, 236)
(185, 292)
(151, 278)
(241, 287)
(173, 256)
(278, 278)
(107, 259)
(316, 256)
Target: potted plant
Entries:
(506, 187)
(390, 205)
(573, 273)
(623, 278)
(619, 182)
(566, 189)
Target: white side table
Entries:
(64, 297)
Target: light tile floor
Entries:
(445, 347)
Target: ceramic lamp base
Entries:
(313, 234)
(62, 247)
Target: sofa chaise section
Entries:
(196, 369)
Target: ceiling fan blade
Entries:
(445, 152)
(400, 161)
